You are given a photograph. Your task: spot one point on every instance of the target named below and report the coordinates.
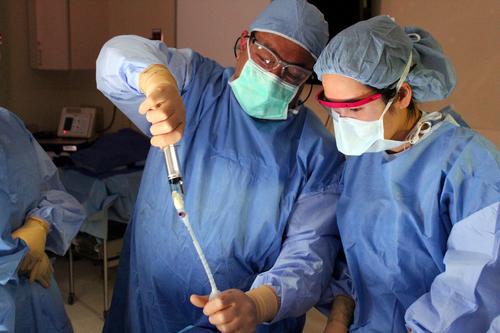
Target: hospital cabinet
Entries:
(66, 34)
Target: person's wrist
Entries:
(342, 310)
(38, 223)
(266, 302)
(336, 326)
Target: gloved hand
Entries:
(163, 106)
(236, 311)
(336, 327)
(340, 315)
(35, 263)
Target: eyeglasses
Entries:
(269, 61)
(342, 107)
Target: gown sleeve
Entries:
(495, 325)
(464, 298)
(62, 211)
(305, 264)
(123, 58)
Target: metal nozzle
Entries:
(172, 162)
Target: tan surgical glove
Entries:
(35, 263)
(235, 311)
(163, 105)
(341, 315)
(266, 302)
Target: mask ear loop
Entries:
(241, 42)
(235, 47)
(307, 97)
(401, 80)
(328, 118)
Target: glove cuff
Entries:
(153, 76)
(342, 310)
(37, 222)
(266, 302)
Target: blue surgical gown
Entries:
(421, 234)
(261, 197)
(495, 325)
(30, 186)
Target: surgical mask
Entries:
(355, 137)
(262, 94)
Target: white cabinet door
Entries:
(49, 34)
(66, 34)
(88, 20)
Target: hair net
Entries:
(296, 20)
(375, 52)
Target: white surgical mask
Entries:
(355, 137)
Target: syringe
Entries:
(176, 187)
(173, 170)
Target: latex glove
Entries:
(42, 271)
(340, 315)
(336, 327)
(35, 263)
(235, 311)
(163, 105)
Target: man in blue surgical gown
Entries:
(418, 215)
(36, 214)
(261, 180)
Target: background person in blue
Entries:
(418, 215)
(36, 214)
(261, 180)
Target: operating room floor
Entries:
(86, 313)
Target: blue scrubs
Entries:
(261, 197)
(29, 186)
(421, 234)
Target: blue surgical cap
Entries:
(296, 20)
(375, 52)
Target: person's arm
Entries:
(234, 310)
(120, 63)
(295, 282)
(338, 300)
(55, 216)
(463, 298)
(341, 314)
(305, 264)
(62, 212)
(310, 242)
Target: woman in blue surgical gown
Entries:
(418, 215)
(36, 214)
